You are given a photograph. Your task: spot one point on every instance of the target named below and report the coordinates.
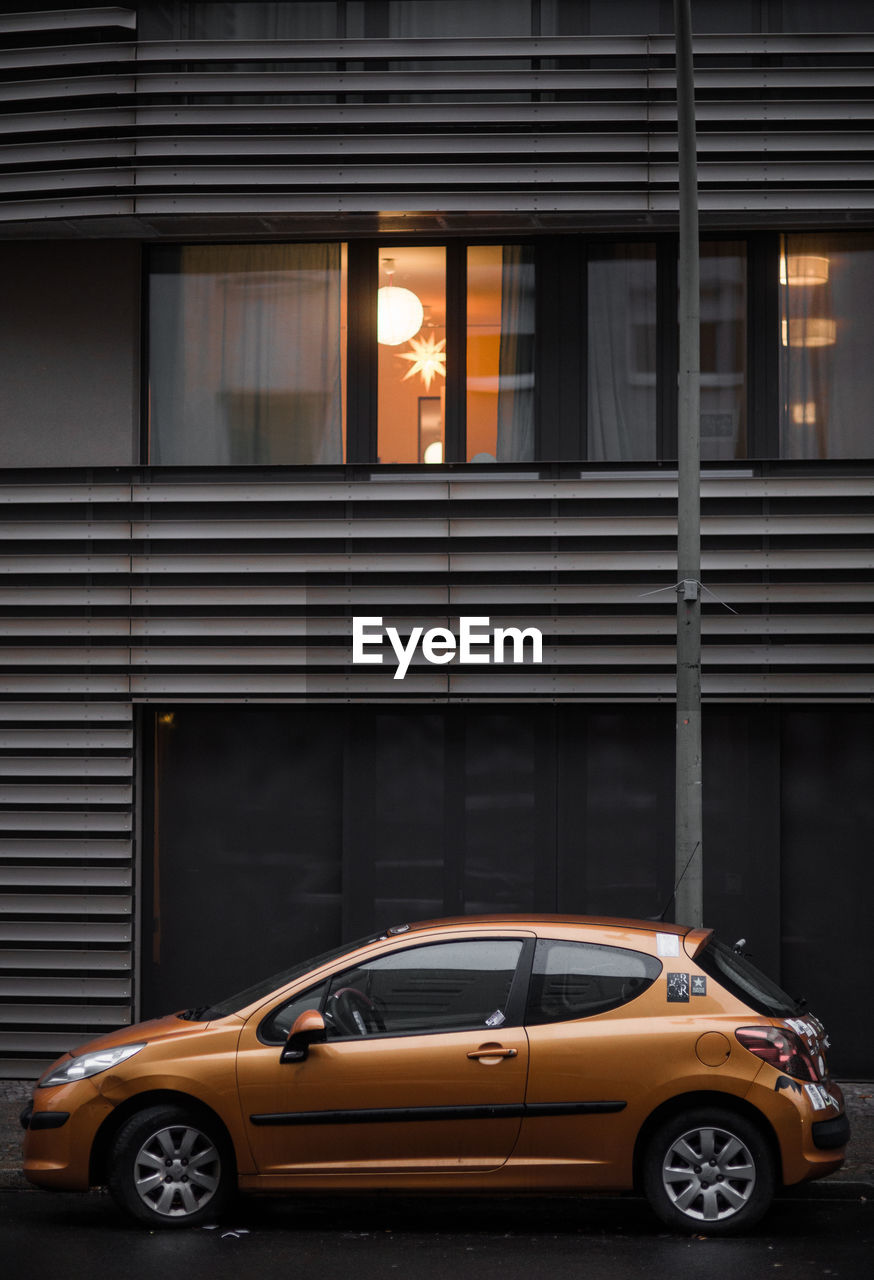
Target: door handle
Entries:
(492, 1051)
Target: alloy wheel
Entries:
(708, 1174)
(177, 1171)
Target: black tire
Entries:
(710, 1171)
(170, 1168)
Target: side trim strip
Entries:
(381, 1115)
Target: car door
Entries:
(429, 1076)
(587, 1058)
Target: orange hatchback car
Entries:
(501, 1054)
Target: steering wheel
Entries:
(352, 1013)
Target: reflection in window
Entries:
(246, 349)
(622, 353)
(826, 382)
(412, 353)
(723, 350)
(251, 20)
(448, 986)
(578, 979)
(500, 354)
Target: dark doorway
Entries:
(282, 831)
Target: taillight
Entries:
(780, 1048)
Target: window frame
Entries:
(514, 1012)
(561, 266)
(542, 946)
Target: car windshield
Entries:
(733, 970)
(232, 1004)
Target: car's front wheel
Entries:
(170, 1169)
(709, 1171)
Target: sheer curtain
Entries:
(245, 355)
(826, 349)
(516, 360)
(622, 355)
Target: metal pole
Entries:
(688, 849)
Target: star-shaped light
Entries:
(427, 357)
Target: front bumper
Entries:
(60, 1126)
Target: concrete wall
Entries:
(69, 353)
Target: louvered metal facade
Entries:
(150, 588)
(112, 136)
(131, 587)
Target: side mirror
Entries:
(309, 1028)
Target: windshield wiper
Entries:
(200, 1014)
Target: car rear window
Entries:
(737, 973)
(578, 979)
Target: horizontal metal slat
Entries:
(64, 1015)
(43, 875)
(57, 627)
(74, 988)
(68, 19)
(61, 712)
(57, 820)
(66, 766)
(78, 794)
(92, 932)
(54, 156)
(66, 739)
(59, 961)
(70, 848)
(81, 904)
(51, 1043)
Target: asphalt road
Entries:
(44, 1236)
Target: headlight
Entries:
(90, 1064)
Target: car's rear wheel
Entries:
(709, 1171)
(171, 1169)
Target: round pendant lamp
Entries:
(399, 313)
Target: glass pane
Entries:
(723, 350)
(578, 979)
(459, 18)
(500, 353)
(450, 986)
(622, 353)
(826, 371)
(246, 351)
(412, 354)
(250, 20)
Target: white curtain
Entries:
(621, 347)
(245, 355)
(516, 360)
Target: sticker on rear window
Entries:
(668, 944)
(678, 987)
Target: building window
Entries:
(622, 356)
(411, 341)
(723, 303)
(246, 354)
(562, 348)
(499, 392)
(826, 373)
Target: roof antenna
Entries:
(664, 910)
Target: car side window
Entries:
(275, 1028)
(578, 979)
(447, 986)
